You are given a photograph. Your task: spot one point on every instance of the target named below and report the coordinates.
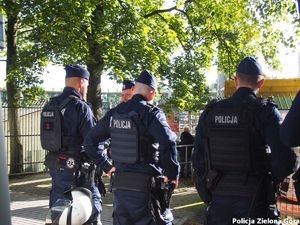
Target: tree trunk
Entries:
(94, 91)
(16, 148)
(95, 62)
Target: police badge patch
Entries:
(70, 163)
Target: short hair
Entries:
(142, 89)
(249, 79)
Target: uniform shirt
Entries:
(78, 116)
(290, 128)
(157, 128)
(283, 159)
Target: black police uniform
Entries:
(78, 119)
(290, 128)
(233, 180)
(133, 175)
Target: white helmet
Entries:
(76, 212)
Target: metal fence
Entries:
(184, 158)
(29, 134)
(32, 153)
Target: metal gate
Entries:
(29, 134)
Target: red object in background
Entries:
(172, 123)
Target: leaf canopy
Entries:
(122, 37)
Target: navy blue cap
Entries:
(76, 71)
(250, 66)
(127, 84)
(147, 78)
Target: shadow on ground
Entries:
(35, 213)
(186, 205)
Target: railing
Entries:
(184, 158)
(31, 155)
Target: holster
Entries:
(99, 183)
(266, 192)
(161, 194)
(201, 187)
(273, 211)
(131, 181)
(162, 191)
(212, 179)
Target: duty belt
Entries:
(132, 181)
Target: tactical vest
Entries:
(124, 138)
(128, 143)
(235, 147)
(51, 128)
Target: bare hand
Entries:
(175, 182)
(112, 170)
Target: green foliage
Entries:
(223, 32)
(26, 65)
(188, 84)
(122, 37)
(128, 41)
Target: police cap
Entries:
(147, 78)
(76, 71)
(127, 84)
(250, 66)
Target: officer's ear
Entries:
(151, 95)
(83, 82)
(261, 82)
(236, 82)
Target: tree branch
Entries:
(25, 31)
(229, 58)
(157, 12)
(172, 28)
(189, 20)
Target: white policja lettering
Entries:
(122, 124)
(226, 119)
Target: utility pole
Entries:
(2, 32)
(5, 214)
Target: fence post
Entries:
(4, 193)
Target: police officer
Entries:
(142, 147)
(77, 120)
(289, 134)
(127, 90)
(290, 128)
(238, 153)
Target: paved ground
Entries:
(29, 202)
